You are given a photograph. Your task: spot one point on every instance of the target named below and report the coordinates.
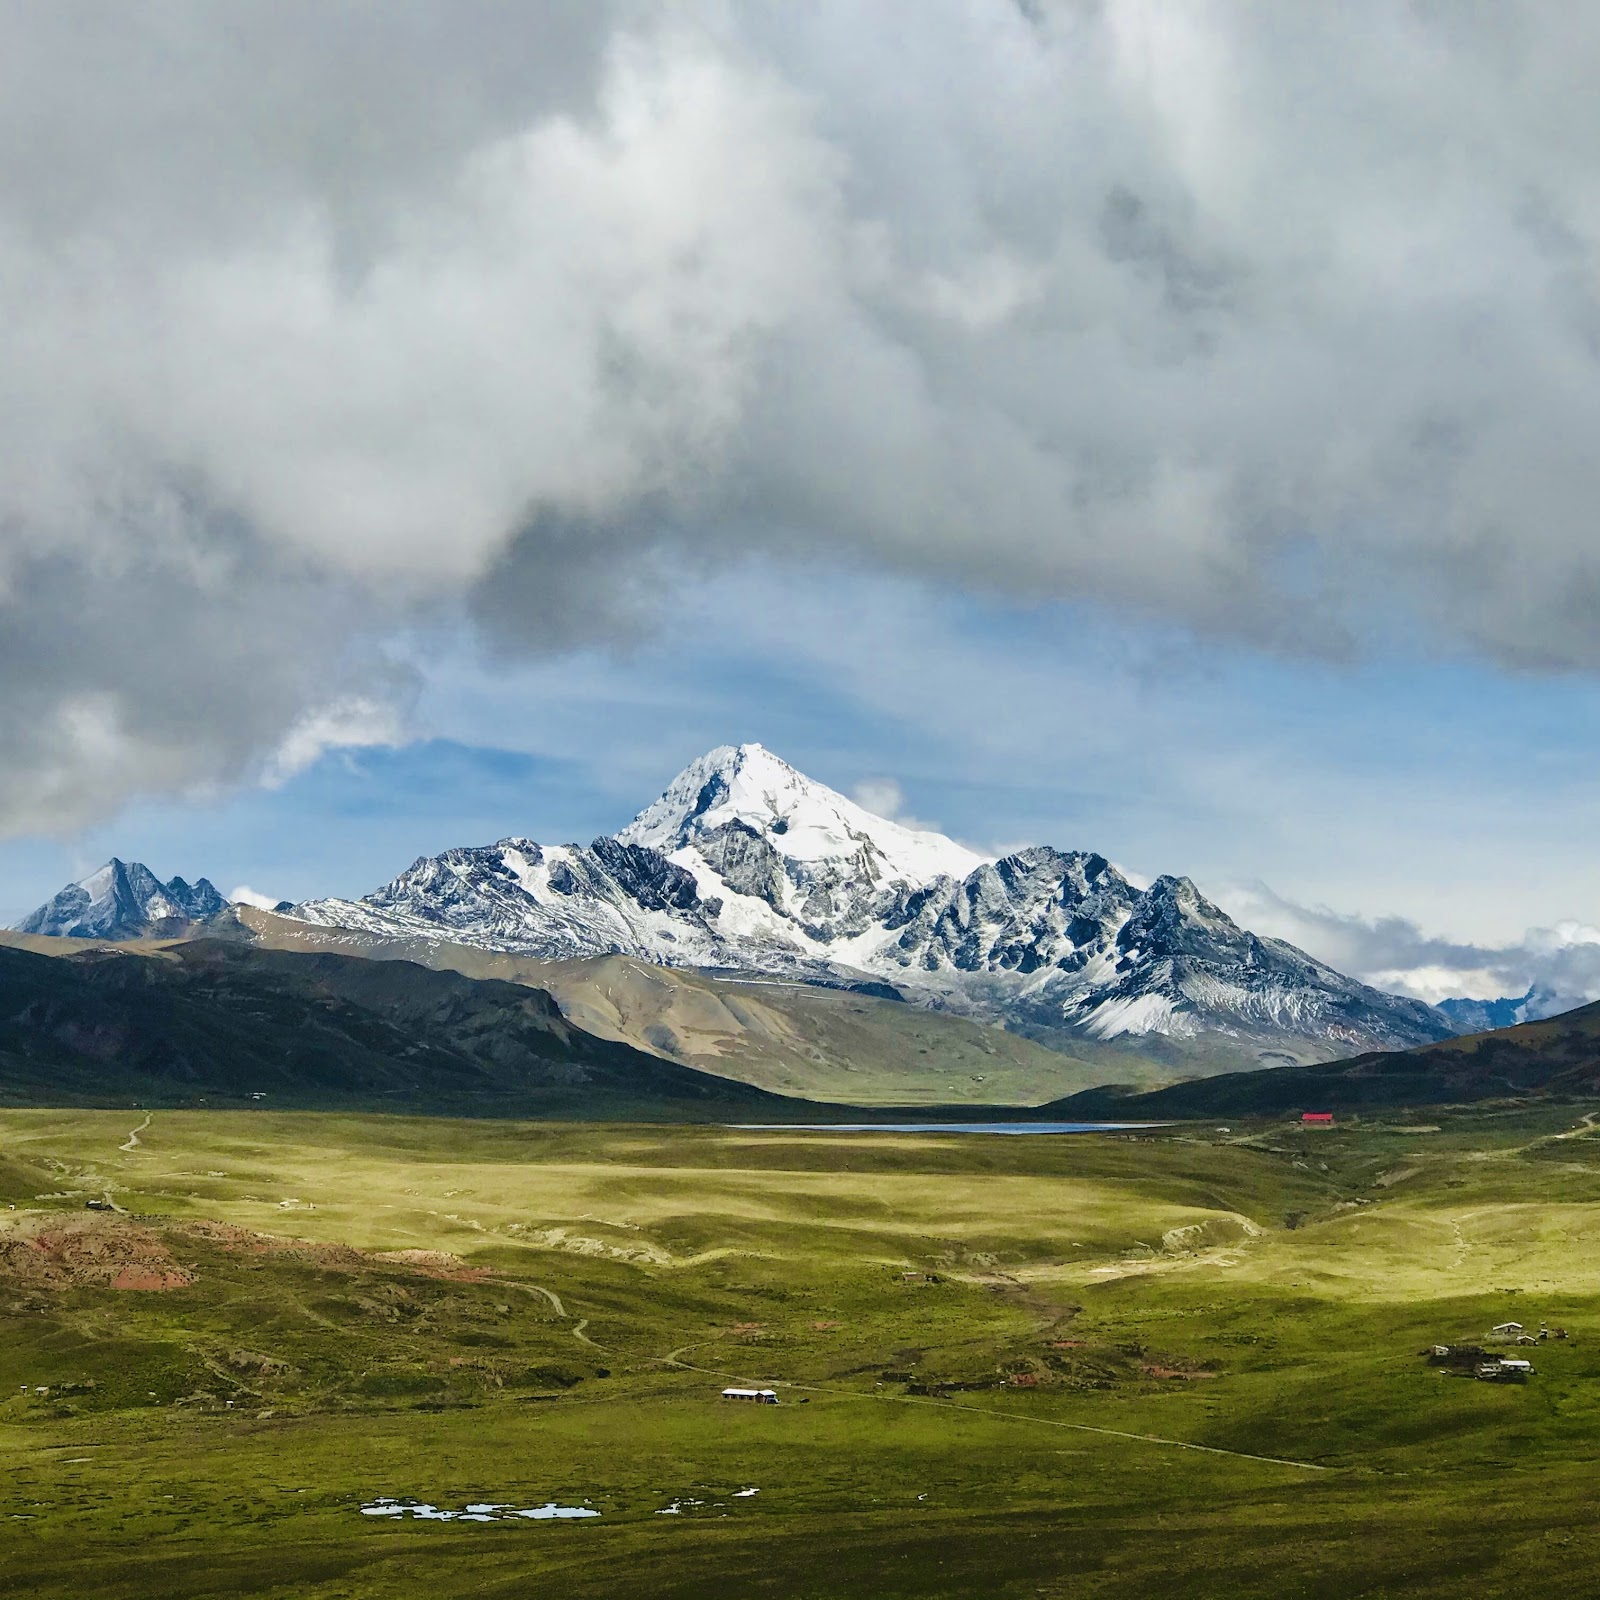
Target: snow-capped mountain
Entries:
(1480, 1016)
(745, 864)
(123, 900)
(752, 787)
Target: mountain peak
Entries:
(801, 819)
(121, 900)
(745, 864)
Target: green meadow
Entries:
(1185, 1362)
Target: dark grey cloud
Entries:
(164, 665)
(1281, 323)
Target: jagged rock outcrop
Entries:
(124, 900)
(744, 864)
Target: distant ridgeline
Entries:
(1552, 1059)
(747, 868)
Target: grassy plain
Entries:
(523, 1312)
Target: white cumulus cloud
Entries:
(353, 722)
(884, 797)
(244, 895)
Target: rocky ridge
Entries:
(745, 865)
(123, 900)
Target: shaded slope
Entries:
(1555, 1058)
(226, 1023)
(798, 1039)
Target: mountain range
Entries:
(744, 867)
(1552, 1058)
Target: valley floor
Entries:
(1185, 1363)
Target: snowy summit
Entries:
(747, 788)
(123, 900)
(746, 865)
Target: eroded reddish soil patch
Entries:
(149, 1278)
(60, 1253)
(333, 1257)
(435, 1264)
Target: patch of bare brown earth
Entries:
(58, 1251)
(63, 1252)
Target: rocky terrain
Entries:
(744, 865)
(747, 869)
(124, 900)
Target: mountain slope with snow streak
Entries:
(123, 900)
(745, 865)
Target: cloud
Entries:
(244, 895)
(352, 723)
(1558, 966)
(331, 320)
(884, 797)
(164, 663)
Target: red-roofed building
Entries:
(1316, 1116)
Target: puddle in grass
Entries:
(480, 1511)
(676, 1508)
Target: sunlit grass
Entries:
(966, 1429)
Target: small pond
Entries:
(944, 1127)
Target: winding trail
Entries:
(549, 1294)
(560, 1310)
(1585, 1125)
(133, 1138)
(673, 1359)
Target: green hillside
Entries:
(211, 1022)
(1186, 1362)
(1557, 1058)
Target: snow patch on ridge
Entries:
(802, 820)
(1145, 1013)
(746, 865)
